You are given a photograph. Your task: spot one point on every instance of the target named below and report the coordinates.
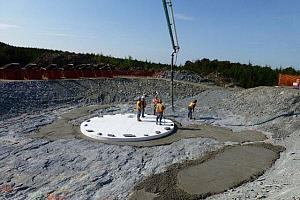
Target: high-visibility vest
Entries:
(159, 108)
(192, 105)
(138, 105)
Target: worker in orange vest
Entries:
(159, 111)
(154, 101)
(139, 109)
(191, 108)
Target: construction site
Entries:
(89, 126)
(242, 144)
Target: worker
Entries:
(191, 109)
(154, 101)
(139, 108)
(143, 100)
(159, 111)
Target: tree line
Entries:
(45, 57)
(245, 75)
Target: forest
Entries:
(244, 75)
(45, 57)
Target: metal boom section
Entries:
(167, 4)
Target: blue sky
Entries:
(264, 32)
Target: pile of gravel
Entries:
(276, 109)
(272, 109)
(21, 97)
(266, 101)
(184, 76)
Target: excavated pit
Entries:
(47, 142)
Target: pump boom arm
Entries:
(167, 4)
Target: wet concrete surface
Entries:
(64, 158)
(64, 128)
(225, 170)
(215, 173)
(203, 131)
(142, 194)
(192, 179)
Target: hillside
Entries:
(245, 75)
(45, 57)
(221, 72)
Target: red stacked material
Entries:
(287, 80)
(10, 74)
(87, 74)
(52, 74)
(1, 74)
(104, 73)
(33, 74)
(71, 74)
(37, 74)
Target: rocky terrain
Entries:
(184, 76)
(18, 97)
(69, 166)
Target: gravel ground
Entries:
(272, 110)
(76, 168)
(81, 169)
(27, 97)
(185, 76)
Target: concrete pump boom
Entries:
(167, 4)
(171, 24)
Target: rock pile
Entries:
(184, 76)
(30, 96)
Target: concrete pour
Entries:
(215, 173)
(225, 170)
(67, 126)
(65, 163)
(260, 163)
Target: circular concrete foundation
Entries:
(125, 127)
